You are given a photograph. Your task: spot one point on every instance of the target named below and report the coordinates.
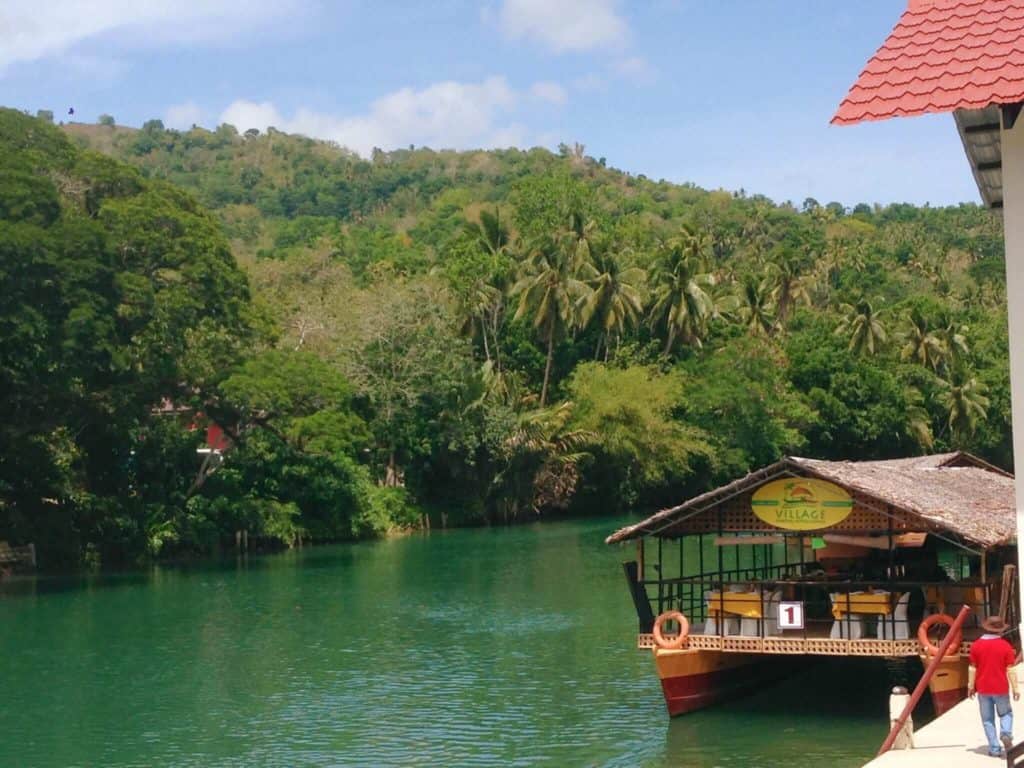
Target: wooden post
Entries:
(929, 673)
(897, 703)
(1006, 590)
(640, 559)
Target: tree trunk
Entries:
(487, 349)
(547, 366)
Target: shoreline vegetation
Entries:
(447, 338)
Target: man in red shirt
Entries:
(991, 675)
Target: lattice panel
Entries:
(784, 645)
(821, 647)
(706, 642)
(799, 646)
(742, 644)
(905, 648)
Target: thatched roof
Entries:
(955, 492)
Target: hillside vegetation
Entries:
(456, 337)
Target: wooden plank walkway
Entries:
(954, 739)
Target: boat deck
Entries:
(953, 739)
(813, 642)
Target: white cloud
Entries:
(548, 91)
(444, 115)
(635, 68)
(565, 25)
(183, 116)
(588, 83)
(33, 30)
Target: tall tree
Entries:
(789, 284)
(920, 344)
(549, 289)
(965, 401)
(682, 304)
(615, 299)
(865, 329)
(753, 306)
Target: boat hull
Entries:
(948, 687)
(692, 679)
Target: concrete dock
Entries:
(955, 740)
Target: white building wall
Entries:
(1013, 225)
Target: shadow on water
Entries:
(40, 584)
(829, 712)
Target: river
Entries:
(485, 647)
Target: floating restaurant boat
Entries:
(810, 558)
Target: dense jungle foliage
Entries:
(439, 337)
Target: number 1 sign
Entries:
(791, 615)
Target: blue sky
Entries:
(721, 93)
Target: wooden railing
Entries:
(799, 646)
(1015, 756)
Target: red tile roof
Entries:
(941, 56)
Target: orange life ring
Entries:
(676, 642)
(931, 648)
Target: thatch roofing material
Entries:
(954, 492)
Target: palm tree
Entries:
(615, 299)
(681, 300)
(965, 400)
(953, 337)
(789, 287)
(919, 423)
(753, 307)
(920, 345)
(542, 456)
(756, 233)
(548, 292)
(475, 305)
(483, 302)
(861, 321)
(490, 233)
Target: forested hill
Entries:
(485, 336)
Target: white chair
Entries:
(771, 614)
(901, 629)
(749, 627)
(851, 623)
(730, 624)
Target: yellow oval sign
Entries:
(801, 504)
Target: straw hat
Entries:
(995, 625)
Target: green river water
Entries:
(487, 647)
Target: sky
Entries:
(730, 94)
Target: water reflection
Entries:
(486, 647)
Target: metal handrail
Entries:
(694, 604)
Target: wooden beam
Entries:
(982, 128)
(871, 542)
(1010, 113)
(991, 165)
(877, 542)
(733, 541)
